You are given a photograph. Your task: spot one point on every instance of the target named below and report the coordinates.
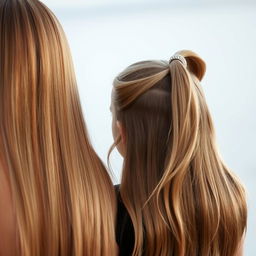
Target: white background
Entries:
(106, 36)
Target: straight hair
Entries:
(63, 196)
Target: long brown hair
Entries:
(181, 197)
(63, 196)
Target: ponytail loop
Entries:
(195, 64)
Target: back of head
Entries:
(181, 197)
(63, 196)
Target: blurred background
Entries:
(105, 36)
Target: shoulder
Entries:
(121, 210)
(117, 189)
(124, 227)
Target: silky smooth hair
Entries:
(181, 197)
(63, 196)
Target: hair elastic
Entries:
(178, 57)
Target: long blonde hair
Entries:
(181, 197)
(63, 196)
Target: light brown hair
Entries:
(63, 196)
(181, 197)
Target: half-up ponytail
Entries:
(185, 112)
(181, 197)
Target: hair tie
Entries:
(180, 58)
